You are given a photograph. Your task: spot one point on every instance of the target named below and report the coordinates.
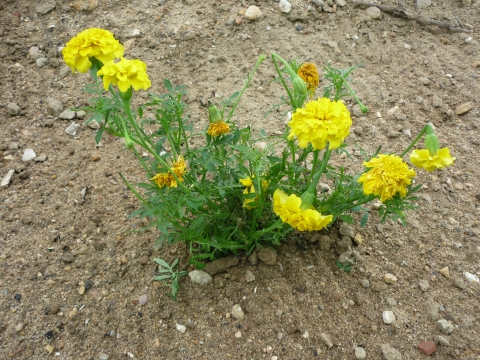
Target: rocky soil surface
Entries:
(75, 276)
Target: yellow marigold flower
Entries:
(97, 43)
(289, 210)
(320, 121)
(309, 73)
(423, 159)
(125, 73)
(388, 175)
(167, 179)
(218, 128)
(250, 189)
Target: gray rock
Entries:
(35, 53)
(200, 277)
(326, 339)
(41, 61)
(424, 81)
(28, 155)
(356, 111)
(445, 326)
(220, 265)
(6, 180)
(342, 3)
(67, 114)
(346, 230)
(55, 106)
(64, 71)
(390, 353)
(359, 351)
(68, 257)
(441, 340)
(103, 357)
(72, 129)
(318, 3)
(388, 317)
(343, 244)
(391, 301)
(253, 258)
(41, 158)
(237, 312)
(346, 257)
(249, 277)
(13, 146)
(285, 6)
(326, 243)
(365, 283)
(373, 12)
(268, 256)
(13, 109)
(424, 285)
(81, 114)
(424, 3)
(45, 7)
(19, 327)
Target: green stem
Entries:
(316, 178)
(249, 78)
(414, 141)
(137, 194)
(292, 101)
(292, 151)
(314, 165)
(134, 124)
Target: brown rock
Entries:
(85, 5)
(143, 260)
(220, 265)
(463, 108)
(427, 347)
(268, 256)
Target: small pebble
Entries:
(238, 334)
(181, 328)
(445, 326)
(388, 317)
(390, 279)
(253, 13)
(360, 353)
(373, 12)
(445, 272)
(142, 300)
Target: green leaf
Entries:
(364, 220)
(162, 263)
(346, 218)
(168, 84)
(175, 262)
(98, 135)
(162, 277)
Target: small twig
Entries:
(459, 22)
(403, 14)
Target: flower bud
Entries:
(129, 143)
(213, 114)
(299, 86)
(431, 140)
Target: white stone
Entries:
(238, 334)
(28, 155)
(392, 111)
(41, 61)
(67, 114)
(373, 12)
(7, 178)
(136, 33)
(470, 277)
(424, 3)
(253, 13)
(445, 326)
(406, 46)
(200, 277)
(341, 3)
(360, 353)
(285, 6)
(237, 312)
(181, 328)
(72, 129)
(388, 317)
(390, 278)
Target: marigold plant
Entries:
(234, 190)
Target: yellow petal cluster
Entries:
(250, 189)
(218, 128)
(308, 72)
(289, 210)
(166, 178)
(423, 159)
(320, 121)
(97, 43)
(124, 74)
(388, 175)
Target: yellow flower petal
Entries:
(166, 178)
(218, 128)
(320, 121)
(288, 208)
(423, 159)
(124, 74)
(388, 175)
(97, 43)
(308, 72)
